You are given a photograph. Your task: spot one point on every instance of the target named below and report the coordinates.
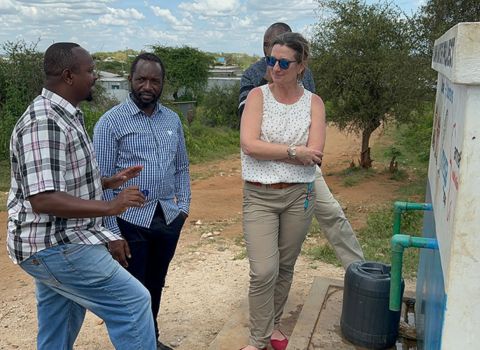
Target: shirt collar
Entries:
(133, 108)
(53, 97)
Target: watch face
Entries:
(291, 151)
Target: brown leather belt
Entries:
(277, 186)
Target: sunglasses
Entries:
(283, 63)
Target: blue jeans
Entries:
(71, 278)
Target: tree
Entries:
(435, 18)
(438, 16)
(365, 67)
(186, 70)
(21, 79)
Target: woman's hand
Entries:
(309, 156)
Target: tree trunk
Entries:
(365, 160)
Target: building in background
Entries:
(224, 76)
(115, 85)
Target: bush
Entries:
(218, 107)
(21, 79)
(417, 136)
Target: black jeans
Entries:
(152, 249)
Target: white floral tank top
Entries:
(285, 124)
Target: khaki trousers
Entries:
(275, 223)
(334, 224)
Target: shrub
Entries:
(21, 79)
(218, 107)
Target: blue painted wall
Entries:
(431, 298)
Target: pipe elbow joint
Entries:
(399, 242)
(400, 206)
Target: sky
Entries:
(111, 25)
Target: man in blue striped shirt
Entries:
(141, 131)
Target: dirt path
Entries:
(208, 278)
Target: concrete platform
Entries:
(316, 327)
(234, 334)
(310, 324)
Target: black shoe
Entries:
(161, 346)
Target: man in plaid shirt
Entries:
(55, 207)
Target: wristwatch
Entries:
(292, 151)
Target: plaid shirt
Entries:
(125, 136)
(50, 151)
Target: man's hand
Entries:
(129, 197)
(120, 251)
(121, 177)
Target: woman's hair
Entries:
(297, 43)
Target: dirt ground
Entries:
(208, 278)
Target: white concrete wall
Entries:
(454, 176)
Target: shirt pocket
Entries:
(168, 140)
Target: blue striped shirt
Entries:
(125, 136)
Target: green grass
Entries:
(207, 143)
(315, 230)
(353, 176)
(375, 237)
(320, 249)
(323, 252)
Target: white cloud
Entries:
(7, 6)
(109, 25)
(209, 8)
(154, 37)
(170, 18)
(246, 22)
(281, 10)
(120, 17)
